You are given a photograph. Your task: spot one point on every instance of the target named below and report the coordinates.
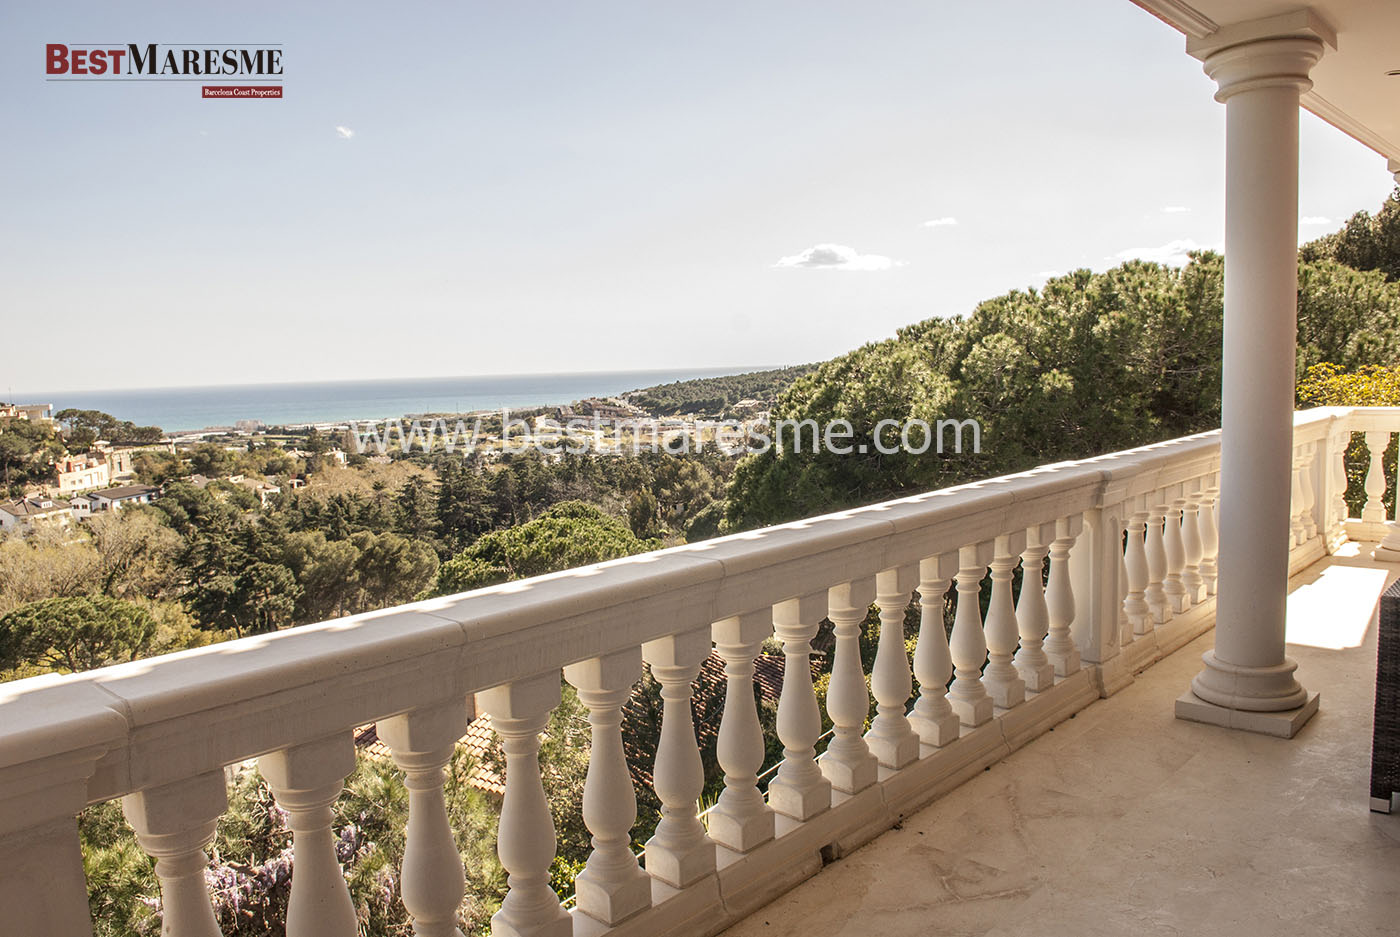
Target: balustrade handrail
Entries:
(180, 715)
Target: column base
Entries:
(1283, 723)
(799, 803)
(849, 774)
(894, 751)
(972, 712)
(739, 833)
(1385, 554)
(1037, 677)
(1253, 689)
(679, 865)
(936, 731)
(1065, 663)
(613, 902)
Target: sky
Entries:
(494, 188)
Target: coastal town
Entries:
(107, 475)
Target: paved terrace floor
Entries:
(1126, 821)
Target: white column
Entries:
(1337, 474)
(173, 824)
(612, 886)
(680, 852)
(742, 820)
(932, 717)
(306, 780)
(525, 840)
(800, 790)
(1260, 83)
(422, 743)
(848, 763)
(891, 738)
(1032, 614)
(968, 645)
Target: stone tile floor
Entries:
(1126, 821)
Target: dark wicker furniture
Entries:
(1385, 744)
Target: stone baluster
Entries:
(306, 780)
(612, 887)
(1336, 469)
(891, 738)
(848, 762)
(1059, 599)
(968, 645)
(1172, 585)
(1191, 578)
(932, 717)
(1373, 512)
(800, 790)
(1305, 478)
(1125, 626)
(1210, 533)
(741, 820)
(1135, 563)
(680, 852)
(432, 881)
(173, 824)
(525, 839)
(1158, 605)
(1001, 678)
(1297, 532)
(1032, 613)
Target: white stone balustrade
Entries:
(612, 886)
(1032, 613)
(306, 780)
(1175, 551)
(1001, 678)
(932, 718)
(891, 738)
(741, 820)
(800, 790)
(173, 824)
(159, 733)
(1373, 511)
(526, 841)
(432, 881)
(848, 763)
(1158, 602)
(968, 645)
(680, 851)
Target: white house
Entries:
(25, 514)
(112, 499)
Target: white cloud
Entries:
(838, 257)
(1172, 253)
(1174, 209)
(945, 221)
(1314, 219)
(345, 133)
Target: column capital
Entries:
(1393, 166)
(1274, 52)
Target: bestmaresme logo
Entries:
(155, 62)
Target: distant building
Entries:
(37, 412)
(112, 499)
(25, 514)
(82, 473)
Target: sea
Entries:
(186, 409)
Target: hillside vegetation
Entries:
(716, 396)
(1090, 363)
